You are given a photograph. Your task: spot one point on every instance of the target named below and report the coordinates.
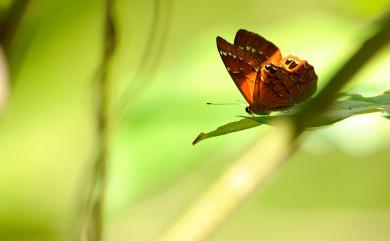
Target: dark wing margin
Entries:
(242, 67)
(258, 47)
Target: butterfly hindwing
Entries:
(242, 67)
(307, 79)
(276, 89)
(258, 47)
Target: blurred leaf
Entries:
(10, 23)
(345, 106)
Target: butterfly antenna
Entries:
(227, 103)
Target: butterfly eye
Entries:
(293, 65)
(288, 61)
(272, 70)
(248, 110)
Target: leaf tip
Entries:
(198, 138)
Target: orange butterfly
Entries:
(266, 80)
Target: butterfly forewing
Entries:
(242, 67)
(258, 47)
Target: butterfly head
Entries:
(248, 110)
(270, 69)
(256, 110)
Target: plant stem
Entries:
(96, 222)
(233, 187)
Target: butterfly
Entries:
(267, 81)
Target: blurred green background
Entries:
(335, 187)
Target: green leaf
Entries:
(345, 106)
(228, 128)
